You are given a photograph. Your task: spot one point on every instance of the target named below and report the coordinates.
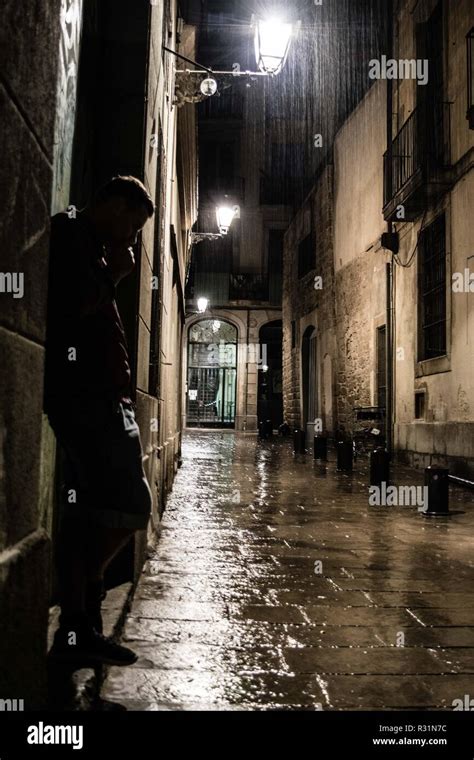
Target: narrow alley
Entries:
(233, 610)
(237, 375)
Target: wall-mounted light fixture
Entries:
(272, 43)
(272, 40)
(225, 216)
(202, 304)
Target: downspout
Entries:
(389, 356)
(247, 369)
(389, 266)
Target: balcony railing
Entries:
(417, 159)
(248, 287)
(401, 160)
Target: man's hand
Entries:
(120, 262)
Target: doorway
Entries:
(270, 395)
(309, 381)
(212, 374)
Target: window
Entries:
(432, 290)
(430, 97)
(381, 367)
(420, 405)
(293, 334)
(305, 256)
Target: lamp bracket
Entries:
(198, 237)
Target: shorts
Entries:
(104, 479)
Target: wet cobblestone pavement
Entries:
(234, 611)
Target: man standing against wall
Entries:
(87, 399)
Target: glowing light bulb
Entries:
(208, 87)
(202, 304)
(272, 42)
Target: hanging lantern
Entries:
(202, 304)
(225, 215)
(272, 43)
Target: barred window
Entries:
(432, 290)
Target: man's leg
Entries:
(106, 474)
(71, 569)
(102, 544)
(85, 550)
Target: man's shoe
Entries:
(84, 646)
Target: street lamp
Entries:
(202, 304)
(272, 43)
(224, 215)
(272, 39)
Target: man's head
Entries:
(120, 209)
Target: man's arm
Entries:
(80, 282)
(100, 279)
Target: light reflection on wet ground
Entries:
(231, 612)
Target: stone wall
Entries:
(171, 175)
(309, 302)
(29, 48)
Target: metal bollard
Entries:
(344, 455)
(268, 428)
(320, 448)
(437, 482)
(379, 466)
(262, 430)
(299, 441)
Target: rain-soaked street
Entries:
(275, 585)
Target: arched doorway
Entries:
(270, 395)
(309, 381)
(212, 374)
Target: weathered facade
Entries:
(413, 179)
(28, 150)
(359, 260)
(99, 101)
(434, 322)
(309, 341)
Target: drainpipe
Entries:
(389, 356)
(389, 269)
(247, 369)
